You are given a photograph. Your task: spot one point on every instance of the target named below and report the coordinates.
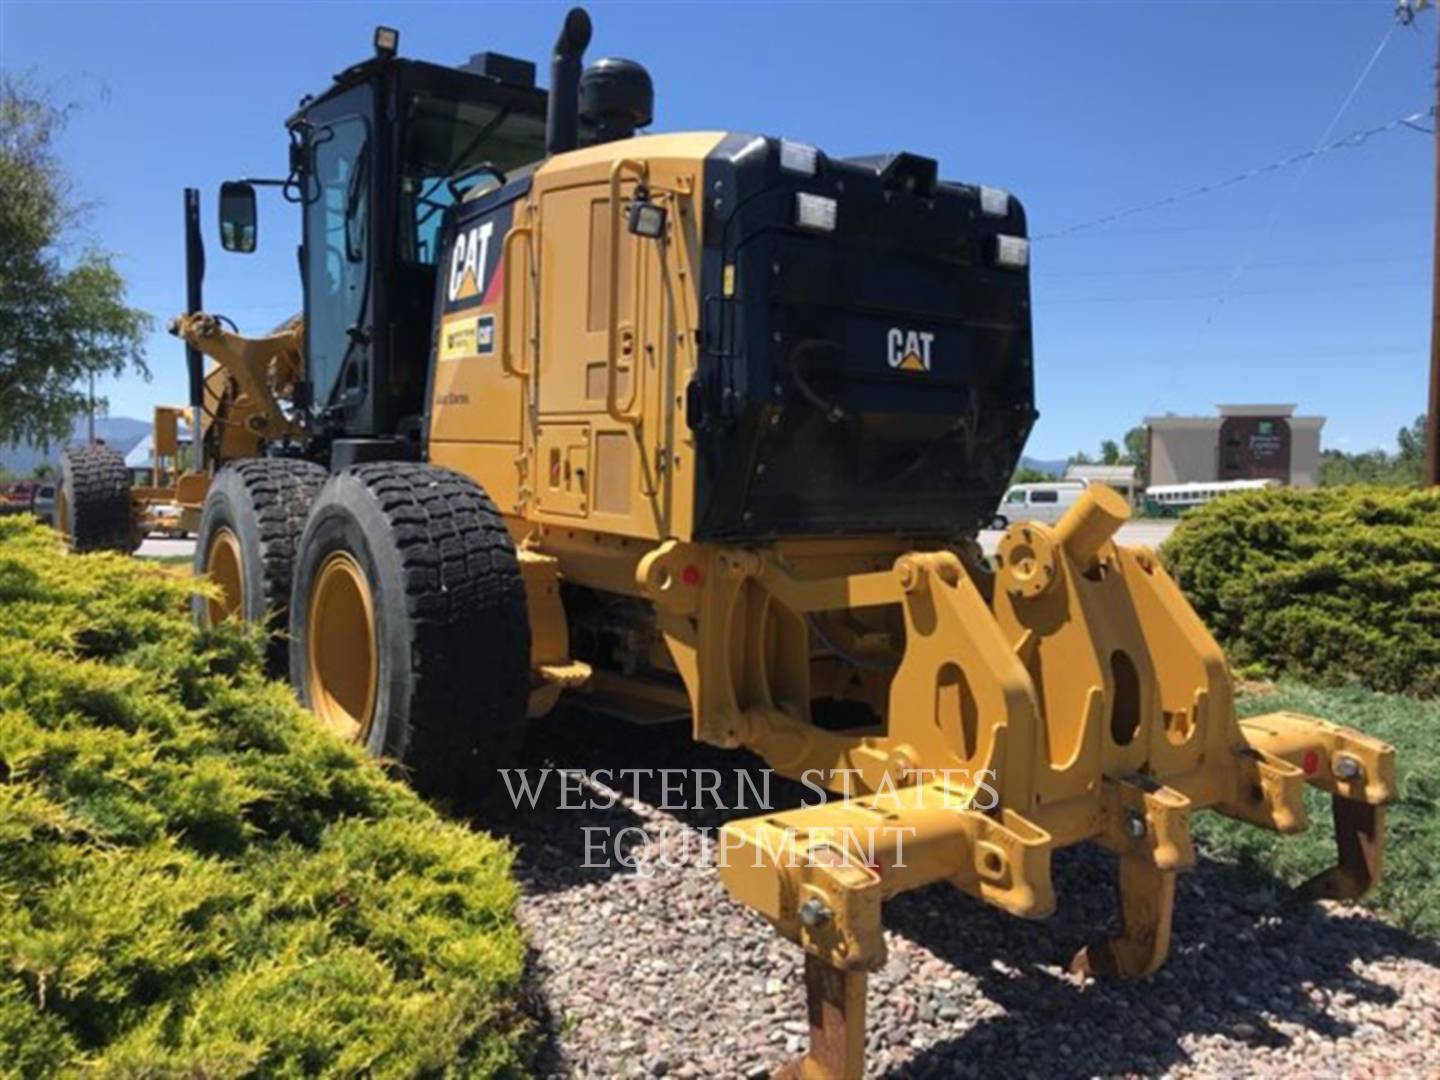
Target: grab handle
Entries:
(612, 300)
(507, 360)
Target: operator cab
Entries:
(376, 161)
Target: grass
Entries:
(1409, 889)
(196, 880)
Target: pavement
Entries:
(1149, 533)
(157, 547)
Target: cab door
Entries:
(337, 250)
(483, 315)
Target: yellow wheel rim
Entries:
(343, 658)
(62, 510)
(224, 566)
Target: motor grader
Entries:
(704, 425)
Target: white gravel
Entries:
(659, 973)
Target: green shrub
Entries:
(1335, 586)
(196, 880)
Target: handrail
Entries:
(612, 304)
(507, 362)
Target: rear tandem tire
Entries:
(250, 524)
(92, 503)
(409, 632)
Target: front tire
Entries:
(409, 632)
(92, 504)
(250, 525)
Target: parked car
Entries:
(18, 497)
(1045, 502)
(43, 505)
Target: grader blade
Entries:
(1073, 697)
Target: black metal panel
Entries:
(194, 302)
(804, 422)
(347, 452)
(506, 69)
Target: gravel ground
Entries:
(653, 970)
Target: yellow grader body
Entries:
(704, 425)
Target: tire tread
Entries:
(99, 498)
(468, 620)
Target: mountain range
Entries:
(121, 432)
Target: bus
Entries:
(1171, 500)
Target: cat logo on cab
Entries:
(469, 262)
(909, 350)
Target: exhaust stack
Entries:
(562, 119)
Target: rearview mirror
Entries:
(238, 224)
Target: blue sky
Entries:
(1307, 285)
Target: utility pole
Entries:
(1405, 11)
(91, 424)
(1432, 415)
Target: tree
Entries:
(62, 320)
(1401, 469)
(1110, 452)
(1137, 448)
(1411, 443)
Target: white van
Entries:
(1045, 502)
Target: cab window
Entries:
(1016, 497)
(337, 249)
(444, 139)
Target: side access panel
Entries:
(573, 381)
(640, 482)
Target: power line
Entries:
(1310, 290)
(1349, 142)
(1368, 220)
(1210, 268)
(1263, 233)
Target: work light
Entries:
(1012, 252)
(647, 219)
(798, 157)
(815, 212)
(994, 202)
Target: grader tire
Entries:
(250, 525)
(409, 632)
(92, 505)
